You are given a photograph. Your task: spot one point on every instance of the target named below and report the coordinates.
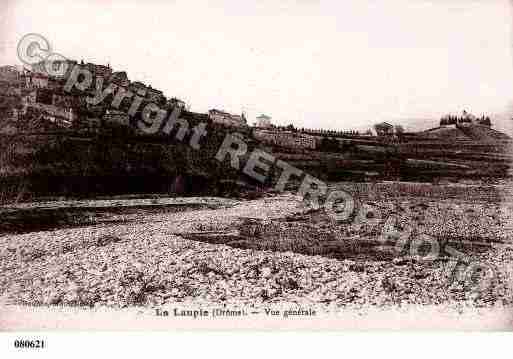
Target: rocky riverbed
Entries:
(160, 257)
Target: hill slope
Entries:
(466, 132)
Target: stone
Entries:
(266, 272)
(400, 261)
(357, 267)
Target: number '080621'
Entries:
(29, 344)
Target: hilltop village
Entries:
(32, 100)
(51, 132)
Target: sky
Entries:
(315, 64)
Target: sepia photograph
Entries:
(255, 165)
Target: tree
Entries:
(486, 121)
(399, 130)
(290, 127)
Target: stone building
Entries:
(237, 118)
(56, 69)
(120, 78)
(103, 71)
(62, 117)
(175, 102)
(154, 95)
(28, 99)
(263, 121)
(226, 118)
(9, 73)
(287, 139)
(151, 94)
(384, 129)
(65, 116)
(36, 80)
(116, 118)
(39, 67)
(137, 86)
(59, 109)
(60, 69)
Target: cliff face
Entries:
(45, 151)
(80, 165)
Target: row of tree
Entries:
(453, 120)
(323, 132)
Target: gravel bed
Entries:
(149, 264)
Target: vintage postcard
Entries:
(169, 165)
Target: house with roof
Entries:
(225, 118)
(120, 78)
(384, 129)
(175, 102)
(263, 121)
